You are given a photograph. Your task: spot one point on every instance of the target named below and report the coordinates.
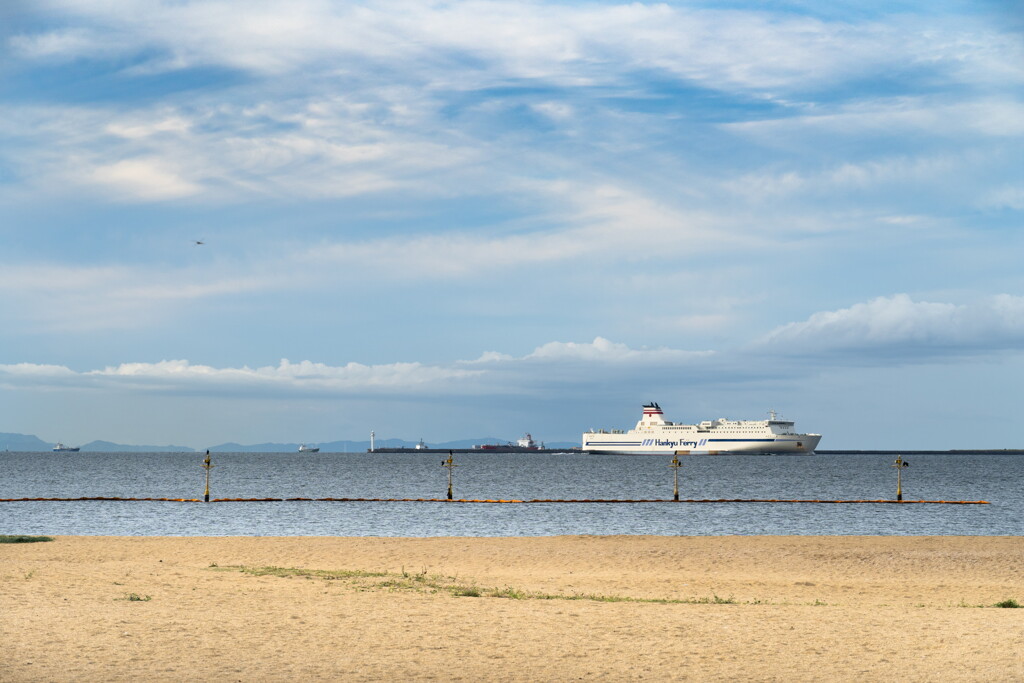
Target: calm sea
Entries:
(995, 478)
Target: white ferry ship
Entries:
(653, 435)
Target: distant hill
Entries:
(23, 442)
(110, 447)
(31, 443)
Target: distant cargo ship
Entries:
(653, 435)
(524, 444)
(61, 448)
(303, 448)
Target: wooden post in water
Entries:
(207, 465)
(450, 464)
(675, 476)
(899, 465)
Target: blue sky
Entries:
(458, 219)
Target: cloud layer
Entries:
(882, 332)
(348, 99)
(905, 327)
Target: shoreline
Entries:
(512, 608)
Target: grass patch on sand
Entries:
(24, 539)
(1008, 603)
(135, 597)
(292, 572)
(422, 582)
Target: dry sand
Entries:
(732, 608)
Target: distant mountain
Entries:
(109, 447)
(32, 443)
(23, 442)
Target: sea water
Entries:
(523, 476)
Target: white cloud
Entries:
(901, 220)
(61, 43)
(558, 111)
(143, 179)
(489, 357)
(138, 127)
(881, 173)
(31, 370)
(899, 325)
(606, 351)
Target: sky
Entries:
(448, 220)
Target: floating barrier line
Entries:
(493, 501)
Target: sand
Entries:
(670, 608)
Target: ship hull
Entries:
(802, 444)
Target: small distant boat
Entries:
(303, 448)
(61, 448)
(421, 446)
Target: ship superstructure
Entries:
(654, 435)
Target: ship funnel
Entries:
(652, 415)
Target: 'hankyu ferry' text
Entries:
(674, 444)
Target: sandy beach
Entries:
(512, 609)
